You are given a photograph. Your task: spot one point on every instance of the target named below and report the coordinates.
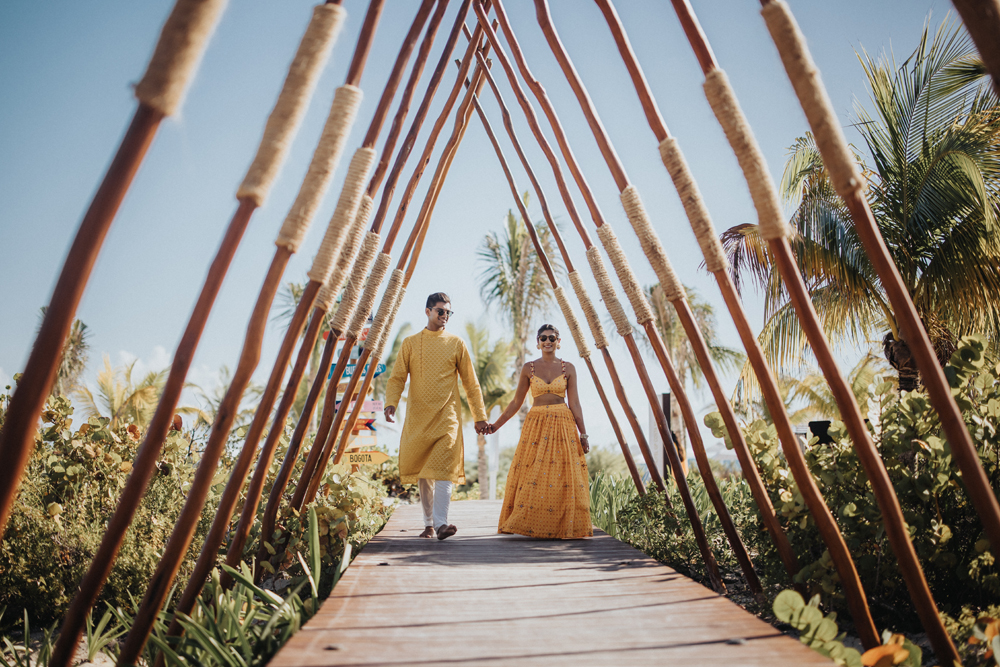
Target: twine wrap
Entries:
(349, 250)
(650, 241)
(300, 84)
(362, 265)
(572, 323)
(804, 75)
(182, 42)
(607, 291)
(631, 287)
(589, 312)
(324, 161)
(727, 110)
(344, 218)
(381, 322)
(367, 301)
(380, 348)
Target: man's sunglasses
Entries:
(442, 311)
(552, 338)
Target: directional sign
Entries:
(366, 458)
(349, 370)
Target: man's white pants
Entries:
(435, 496)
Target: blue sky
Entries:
(66, 71)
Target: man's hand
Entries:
(482, 428)
(390, 410)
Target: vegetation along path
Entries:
(483, 598)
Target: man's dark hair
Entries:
(437, 297)
(547, 327)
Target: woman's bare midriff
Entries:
(548, 399)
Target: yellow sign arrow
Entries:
(366, 458)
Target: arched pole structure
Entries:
(282, 126)
(581, 344)
(775, 231)
(393, 294)
(676, 295)
(350, 266)
(330, 276)
(982, 20)
(712, 249)
(600, 339)
(632, 289)
(849, 184)
(321, 451)
(347, 417)
(160, 93)
(290, 236)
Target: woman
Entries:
(548, 491)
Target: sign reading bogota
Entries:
(366, 458)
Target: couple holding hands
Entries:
(547, 493)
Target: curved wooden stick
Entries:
(540, 251)
(652, 398)
(584, 236)
(982, 20)
(17, 438)
(309, 479)
(329, 407)
(825, 521)
(686, 317)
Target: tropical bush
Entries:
(946, 532)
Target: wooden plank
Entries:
(480, 598)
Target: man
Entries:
(431, 450)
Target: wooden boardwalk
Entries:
(480, 598)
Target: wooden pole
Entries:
(686, 317)
(371, 137)
(651, 394)
(315, 184)
(17, 438)
(654, 471)
(825, 521)
(540, 251)
(308, 63)
(311, 475)
(160, 93)
(982, 20)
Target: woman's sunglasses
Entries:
(442, 311)
(552, 338)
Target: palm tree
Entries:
(491, 363)
(680, 350)
(75, 354)
(121, 400)
(514, 281)
(933, 181)
(211, 400)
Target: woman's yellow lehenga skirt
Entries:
(548, 487)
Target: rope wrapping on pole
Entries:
(356, 234)
(587, 306)
(607, 290)
(630, 284)
(763, 192)
(361, 267)
(344, 219)
(379, 328)
(574, 325)
(179, 50)
(367, 302)
(651, 245)
(324, 161)
(804, 75)
(300, 84)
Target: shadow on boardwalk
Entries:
(482, 598)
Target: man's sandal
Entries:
(444, 532)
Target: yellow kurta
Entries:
(431, 446)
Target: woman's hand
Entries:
(585, 443)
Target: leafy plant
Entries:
(816, 631)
